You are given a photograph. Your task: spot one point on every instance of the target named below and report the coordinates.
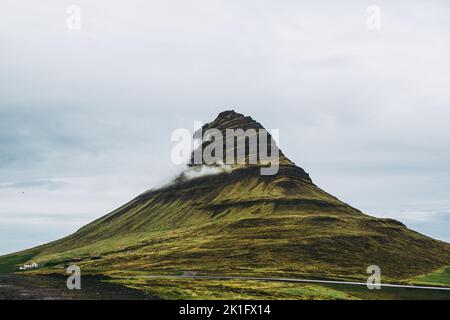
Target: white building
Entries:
(29, 266)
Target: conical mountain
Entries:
(239, 222)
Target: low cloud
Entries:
(203, 170)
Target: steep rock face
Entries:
(241, 222)
(231, 120)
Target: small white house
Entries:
(29, 266)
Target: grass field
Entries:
(249, 289)
(169, 287)
(438, 277)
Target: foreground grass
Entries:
(165, 288)
(193, 289)
(389, 293)
(189, 288)
(171, 288)
(439, 277)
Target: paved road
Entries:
(192, 276)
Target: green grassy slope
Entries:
(246, 224)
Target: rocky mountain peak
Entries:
(231, 119)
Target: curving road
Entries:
(194, 276)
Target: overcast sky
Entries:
(86, 115)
